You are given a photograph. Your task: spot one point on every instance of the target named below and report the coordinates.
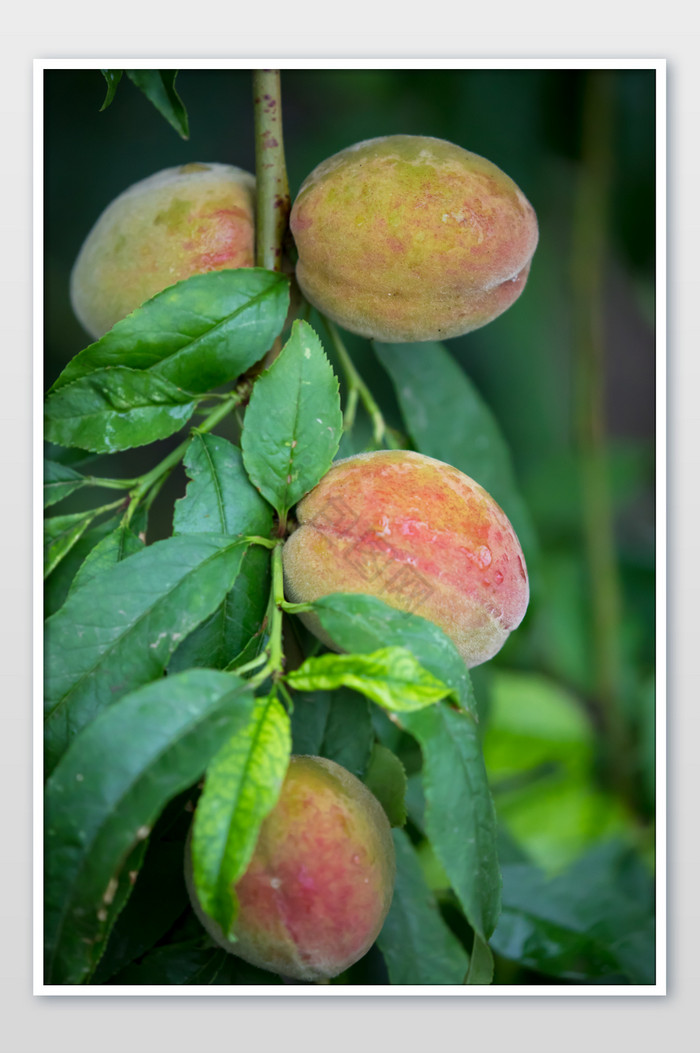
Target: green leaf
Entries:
(118, 545)
(158, 899)
(433, 871)
(59, 582)
(391, 677)
(556, 816)
(60, 535)
(594, 921)
(460, 820)
(309, 717)
(359, 624)
(253, 649)
(77, 563)
(59, 481)
(106, 793)
(448, 419)
(242, 785)
(333, 724)
(122, 889)
(116, 409)
(200, 333)
(235, 624)
(220, 499)
(158, 85)
(293, 422)
(535, 721)
(348, 733)
(415, 801)
(417, 945)
(119, 630)
(539, 751)
(189, 963)
(386, 778)
(112, 76)
(480, 963)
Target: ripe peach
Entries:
(418, 534)
(409, 238)
(320, 882)
(176, 223)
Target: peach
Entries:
(176, 223)
(418, 534)
(321, 879)
(410, 238)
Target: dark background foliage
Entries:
(568, 372)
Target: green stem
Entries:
(95, 512)
(274, 652)
(272, 187)
(591, 207)
(277, 599)
(254, 663)
(281, 687)
(266, 542)
(350, 410)
(381, 434)
(110, 484)
(296, 608)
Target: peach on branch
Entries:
(419, 535)
(411, 238)
(179, 222)
(319, 885)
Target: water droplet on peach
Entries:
(483, 554)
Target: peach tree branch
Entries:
(272, 187)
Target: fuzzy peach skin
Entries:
(410, 238)
(321, 879)
(176, 223)
(419, 535)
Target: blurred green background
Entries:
(568, 372)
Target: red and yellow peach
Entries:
(411, 238)
(418, 534)
(163, 229)
(319, 885)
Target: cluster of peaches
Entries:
(400, 239)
